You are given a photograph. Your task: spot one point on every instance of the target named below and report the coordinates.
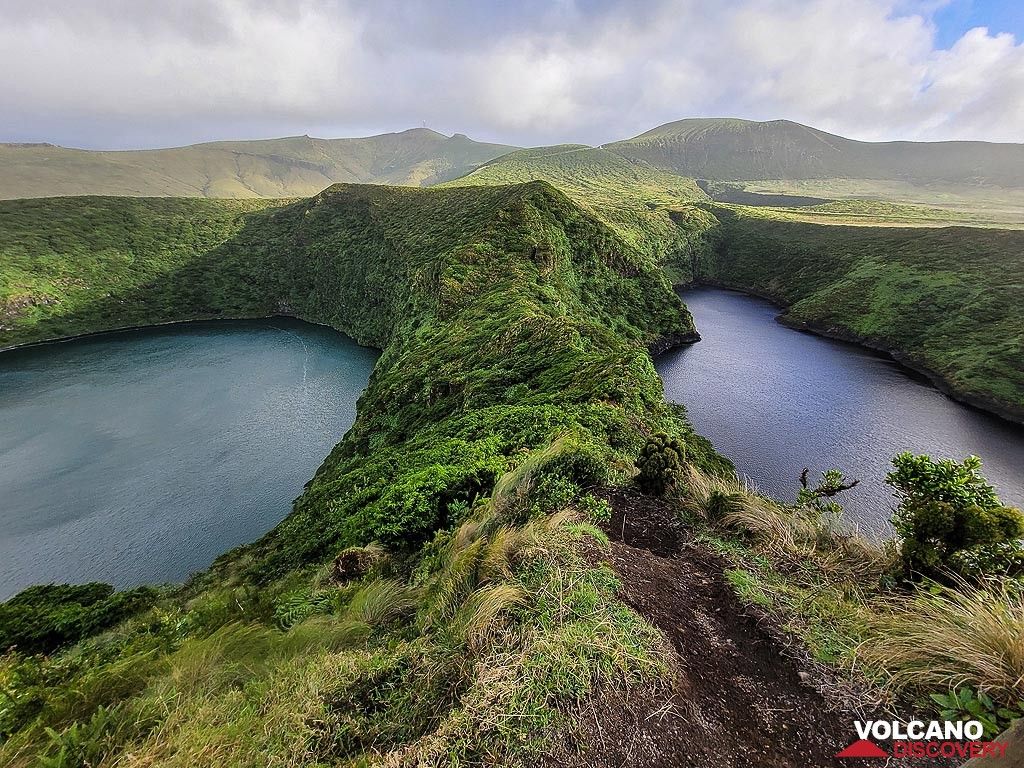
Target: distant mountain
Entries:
(740, 150)
(289, 167)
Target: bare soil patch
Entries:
(743, 695)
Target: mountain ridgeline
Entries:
(297, 166)
(737, 150)
(715, 149)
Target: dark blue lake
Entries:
(776, 400)
(139, 457)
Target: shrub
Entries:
(966, 704)
(45, 617)
(950, 519)
(660, 462)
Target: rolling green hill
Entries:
(735, 150)
(288, 167)
(632, 197)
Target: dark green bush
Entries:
(45, 617)
(659, 463)
(950, 519)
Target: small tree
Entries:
(659, 463)
(951, 520)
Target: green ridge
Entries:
(287, 167)
(635, 199)
(726, 149)
(515, 374)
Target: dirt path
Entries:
(740, 699)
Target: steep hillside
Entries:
(948, 301)
(514, 376)
(288, 167)
(632, 197)
(732, 150)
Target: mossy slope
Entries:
(632, 197)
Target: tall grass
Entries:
(790, 533)
(946, 637)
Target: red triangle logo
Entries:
(863, 748)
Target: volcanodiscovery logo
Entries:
(922, 738)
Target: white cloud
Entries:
(112, 72)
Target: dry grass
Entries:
(793, 534)
(964, 635)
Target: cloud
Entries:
(107, 73)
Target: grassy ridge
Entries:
(633, 198)
(286, 167)
(949, 301)
(515, 374)
(467, 290)
(67, 261)
(731, 149)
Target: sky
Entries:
(142, 73)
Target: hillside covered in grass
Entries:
(514, 376)
(635, 199)
(726, 149)
(296, 166)
(948, 301)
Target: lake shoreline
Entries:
(170, 324)
(898, 356)
(776, 398)
(140, 456)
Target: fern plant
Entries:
(299, 605)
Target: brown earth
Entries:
(746, 694)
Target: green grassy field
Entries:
(976, 205)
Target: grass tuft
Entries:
(946, 637)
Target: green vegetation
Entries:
(947, 301)
(844, 595)
(951, 521)
(514, 374)
(43, 618)
(68, 263)
(733, 150)
(880, 213)
(967, 704)
(436, 596)
(287, 167)
(633, 198)
(982, 205)
(659, 464)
